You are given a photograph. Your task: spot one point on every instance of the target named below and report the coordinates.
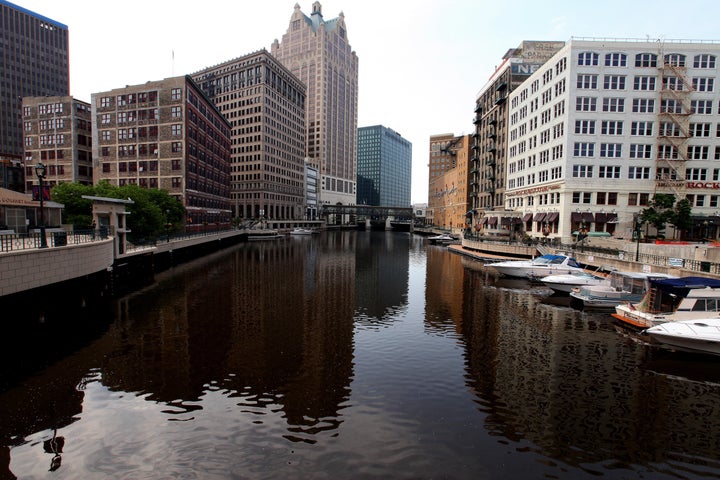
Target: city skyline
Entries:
(420, 68)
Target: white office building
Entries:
(604, 125)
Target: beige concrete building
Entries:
(318, 52)
(448, 198)
(167, 135)
(57, 132)
(265, 105)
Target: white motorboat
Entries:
(567, 282)
(539, 267)
(442, 239)
(301, 231)
(701, 335)
(618, 287)
(672, 300)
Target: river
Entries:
(348, 355)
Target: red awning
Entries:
(576, 217)
(552, 217)
(485, 221)
(492, 220)
(539, 217)
(588, 217)
(601, 217)
(527, 217)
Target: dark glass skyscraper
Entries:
(384, 168)
(34, 62)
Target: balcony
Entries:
(476, 119)
(490, 149)
(478, 109)
(492, 121)
(500, 100)
(501, 86)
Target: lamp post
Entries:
(638, 229)
(40, 172)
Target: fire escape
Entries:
(674, 125)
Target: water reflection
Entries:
(357, 355)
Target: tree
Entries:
(659, 213)
(152, 213)
(77, 210)
(681, 217)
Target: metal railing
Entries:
(13, 242)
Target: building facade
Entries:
(487, 163)
(265, 105)
(605, 125)
(442, 157)
(448, 206)
(318, 52)
(384, 166)
(57, 133)
(165, 135)
(34, 61)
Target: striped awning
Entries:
(539, 217)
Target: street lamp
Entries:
(638, 230)
(40, 172)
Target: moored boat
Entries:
(700, 335)
(619, 287)
(539, 267)
(301, 231)
(442, 239)
(567, 282)
(672, 300)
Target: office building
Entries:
(166, 135)
(384, 166)
(605, 125)
(318, 52)
(58, 133)
(34, 61)
(489, 149)
(265, 105)
(448, 199)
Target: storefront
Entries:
(19, 213)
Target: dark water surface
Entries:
(350, 355)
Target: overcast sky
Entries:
(422, 63)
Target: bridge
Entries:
(361, 214)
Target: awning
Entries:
(527, 217)
(539, 217)
(505, 220)
(492, 220)
(552, 217)
(587, 217)
(485, 221)
(601, 217)
(576, 217)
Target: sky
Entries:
(421, 63)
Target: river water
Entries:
(349, 355)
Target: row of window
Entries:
(587, 81)
(643, 150)
(617, 59)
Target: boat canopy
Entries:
(682, 285)
(551, 259)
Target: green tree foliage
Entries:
(682, 216)
(152, 213)
(664, 210)
(78, 210)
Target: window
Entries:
(615, 60)
(586, 104)
(638, 150)
(672, 83)
(611, 150)
(106, 136)
(609, 171)
(638, 173)
(697, 152)
(665, 173)
(703, 84)
(704, 61)
(696, 174)
(641, 128)
(582, 171)
(176, 94)
(176, 130)
(613, 104)
(701, 107)
(588, 58)
(642, 199)
(643, 105)
(611, 127)
(646, 60)
(584, 149)
(675, 59)
(670, 105)
(667, 151)
(585, 127)
(644, 83)
(176, 112)
(700, 129)
(587, 81)
(614, 82)
(105, 102)
(669, 129)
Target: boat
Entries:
(564, 283)
(701, 335)
(539, 267)
(672, 300)
(442, 239)
(264, 235)
(618, 287)
(301, 231)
